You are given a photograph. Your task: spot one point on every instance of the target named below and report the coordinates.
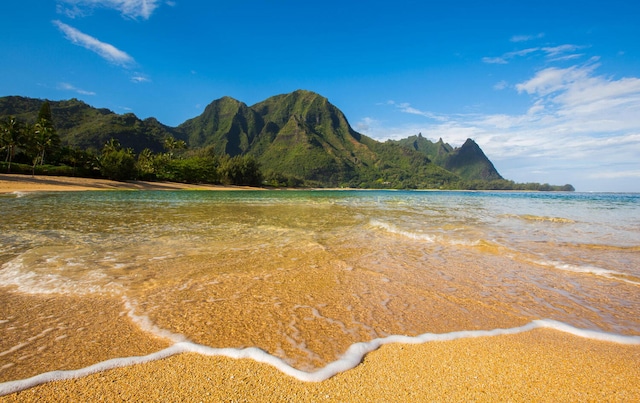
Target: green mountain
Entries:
(297, 135)
(298, 138)
(85, 127)
(467, 161)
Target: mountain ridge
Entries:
(298, 137)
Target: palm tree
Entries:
(171, 144)
(145, 163)
(12, 136)
(112, 145)
(44, 138)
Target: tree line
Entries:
(36, 149)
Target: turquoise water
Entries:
(305, 274)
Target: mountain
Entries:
(467, 161)
(85, 127)
(298, 137)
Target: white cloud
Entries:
(140, 78)
(494, 60)
(366, 124)
(69, 87)
(500, 85)
(525, 38)
(616, 174)
(553, 79)
(554, 53)
(104, 50)
(407, 108)
(128, 8)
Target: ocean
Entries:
(312, 279)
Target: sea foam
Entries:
(597, 271)
(350, 359)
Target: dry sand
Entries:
(541, 365)
(26, 183)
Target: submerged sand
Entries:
(25, 183)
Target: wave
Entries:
(349, 360)
(538, 218)
(421, 236)
(14, 274)
(597, 271)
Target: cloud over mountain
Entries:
(104, 50)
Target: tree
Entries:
(111, 145)
(145, 164)
(171, 144)
(44, 138)
(11, 137)
(117, 163)
(45, 113)
(240, 170)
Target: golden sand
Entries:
(541, 365)
(25, 183)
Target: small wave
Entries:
(408, 234)
(597, 271)
(421, 236)
(145, 324)
(352, 357)
(531, 217)
(13, 273)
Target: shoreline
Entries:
(541, 365)
(12, 183)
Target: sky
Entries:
(550, 90)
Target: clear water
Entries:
(305, 274)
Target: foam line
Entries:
(350, 359)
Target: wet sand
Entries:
(26, 183)
(540, 365)
(42, 333)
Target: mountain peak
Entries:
(470, 162)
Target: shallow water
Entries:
(303, 274)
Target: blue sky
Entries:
(549, 89)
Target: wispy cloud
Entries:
(70, 87)
(500, 85)
(140, 78)
(525, 38)
(407, 108)
(551, 52)
(128, 8)
(104, 50)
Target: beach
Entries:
(304, 276)
(26, 183)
